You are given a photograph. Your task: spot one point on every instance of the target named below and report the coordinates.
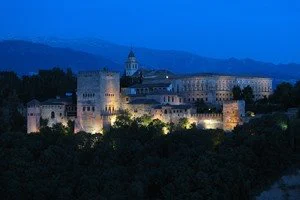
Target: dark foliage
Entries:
(237, 93)
(127, 81)
(46, 84)
(133, 161)
(202, 107)
(15, 92)
(285, 96)
(243, 94)
(248, 94)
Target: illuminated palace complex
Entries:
(162, 95)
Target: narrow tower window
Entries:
(52, 115)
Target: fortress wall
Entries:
(138, 110)
(33, 118)
(233, 114)
(98, 95)
(207, 121)
(88, 108)
(109, 91)
(216, 89)
(58, 111)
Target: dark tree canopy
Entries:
(237, 93)
(283, 94)
(135, 159)
(138, 161)
(247, 94)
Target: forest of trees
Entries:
(284, 96)
(135, 159)
(16, 92)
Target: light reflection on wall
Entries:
(113, 120)
(210, 124)
(165, 130)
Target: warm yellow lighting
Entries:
(165, 130)
(113, 120)
(210, 124)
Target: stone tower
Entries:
(131, 65)
(233, 114)
(98, 96)
(33, 116)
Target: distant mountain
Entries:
(179, 61)
(94, 53)
(25, 57)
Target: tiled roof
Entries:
(180, 107)
(33, 102)
(151, 85)
(60, 101)
(144, 101)
(162, 93)
(150, 73)
(216, 75)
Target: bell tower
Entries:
(131, 65)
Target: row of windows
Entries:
(242, 81)
(197, 94)
(146, 90)
(133, 66)
(52, 106)
(109, 95)
(88, 108)
(223, 99)
(223, 94)
(53, 115)
(33, 114)
(222, 87)
(169, 99)
(88, 95)
(109, 109)
(195, 99)
(173, 111)
(38, 114)
(71, 108)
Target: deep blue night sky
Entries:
(266, 30)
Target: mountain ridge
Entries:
(25, 57)
(93, 54)
(175, 60)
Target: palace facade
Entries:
(161, 95)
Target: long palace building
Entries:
(162, 95)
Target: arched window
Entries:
(52, 115)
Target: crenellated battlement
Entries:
(208, 115)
